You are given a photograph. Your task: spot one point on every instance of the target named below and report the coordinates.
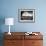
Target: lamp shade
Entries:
(9, 21)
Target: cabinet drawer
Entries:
(33, 43)
(13, 43)
(37, 43)
(34, 37)
(9, 43)
(16, 37)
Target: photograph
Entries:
(26, 15)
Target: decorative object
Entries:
(30, 33)
(26, 15)
(9, 21)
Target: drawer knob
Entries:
(33, 42)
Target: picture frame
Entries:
(26, 15)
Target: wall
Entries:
(9, 8)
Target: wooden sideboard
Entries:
(20, 39)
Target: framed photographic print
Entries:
(26, 15)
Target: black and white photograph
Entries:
(26, 15)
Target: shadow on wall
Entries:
(2, 21)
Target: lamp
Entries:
(9, 21)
